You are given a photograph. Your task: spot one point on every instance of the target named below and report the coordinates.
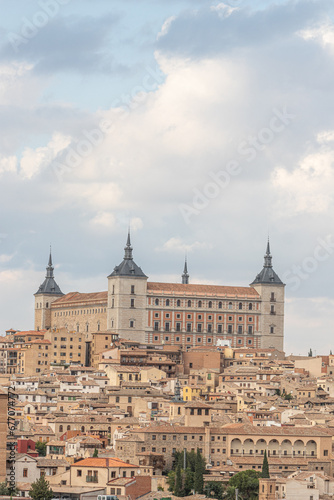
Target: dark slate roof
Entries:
(128, 267)
(267, 275)
(49, 285)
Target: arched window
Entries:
(240, 305)
(167, 302)
(250, 306)
(47, 305)
(199, 304)
(156, 302)
(230, 305)
(220, 305)
(68, 428)
(189, 303)
(60, 428)
(86, 327)
(178, 303)
(210, 304)
(83, 428)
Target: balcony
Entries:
(91, 479)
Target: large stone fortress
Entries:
(169, 313)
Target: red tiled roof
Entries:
(102, 462)
(214, 290)
(76, 297)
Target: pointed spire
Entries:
(49, 285)
(49, 269)
(50, 258)
(128, 248)
(185, 275)
(267, 275)
(268, 257)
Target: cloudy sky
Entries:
(203, 125)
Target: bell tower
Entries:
(127, 298)
(271, 289)
(47, 293)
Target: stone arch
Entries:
(299, 447)
(248, 446)
(236, 446)
(286, 447)
(260, 446)
(311, 448)
(273, 447)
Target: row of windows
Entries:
(199, 316)
(199, 340)
(82, 311)
(199, 328)
(201, 303)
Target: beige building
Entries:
(3, 433)
(169, 313)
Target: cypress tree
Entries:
(199, 471)
(265, 466)
(178, 482)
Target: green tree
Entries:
(96, 453)
(178, 491)
(214, 489)
(199, 471)
(265, 466)
(188, 481)
(288, 397)
(247, 482)
(40, 490)
(41, 448)
(6, 491)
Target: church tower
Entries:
(185, 275)
(47, 293)
(127, 298)
(271, 289)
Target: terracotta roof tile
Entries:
(102, 462)
(214, 290)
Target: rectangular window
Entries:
(239, 329)
(219, 328)
(188, 327)
(167, 327)
(178, 327)
(132, 289)
(229, 328)
(156, 326)
(132, 302)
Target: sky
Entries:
(205, 126)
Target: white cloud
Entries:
(5, 258)
(223, 9)
(179, 246)
(8, 164)
(34, 160)
(323, 34)
(165, 27)
(308, 188)
(104, 220)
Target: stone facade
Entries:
(170, 313)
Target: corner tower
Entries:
(271, 289)
(127, 298)
(47, 293)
